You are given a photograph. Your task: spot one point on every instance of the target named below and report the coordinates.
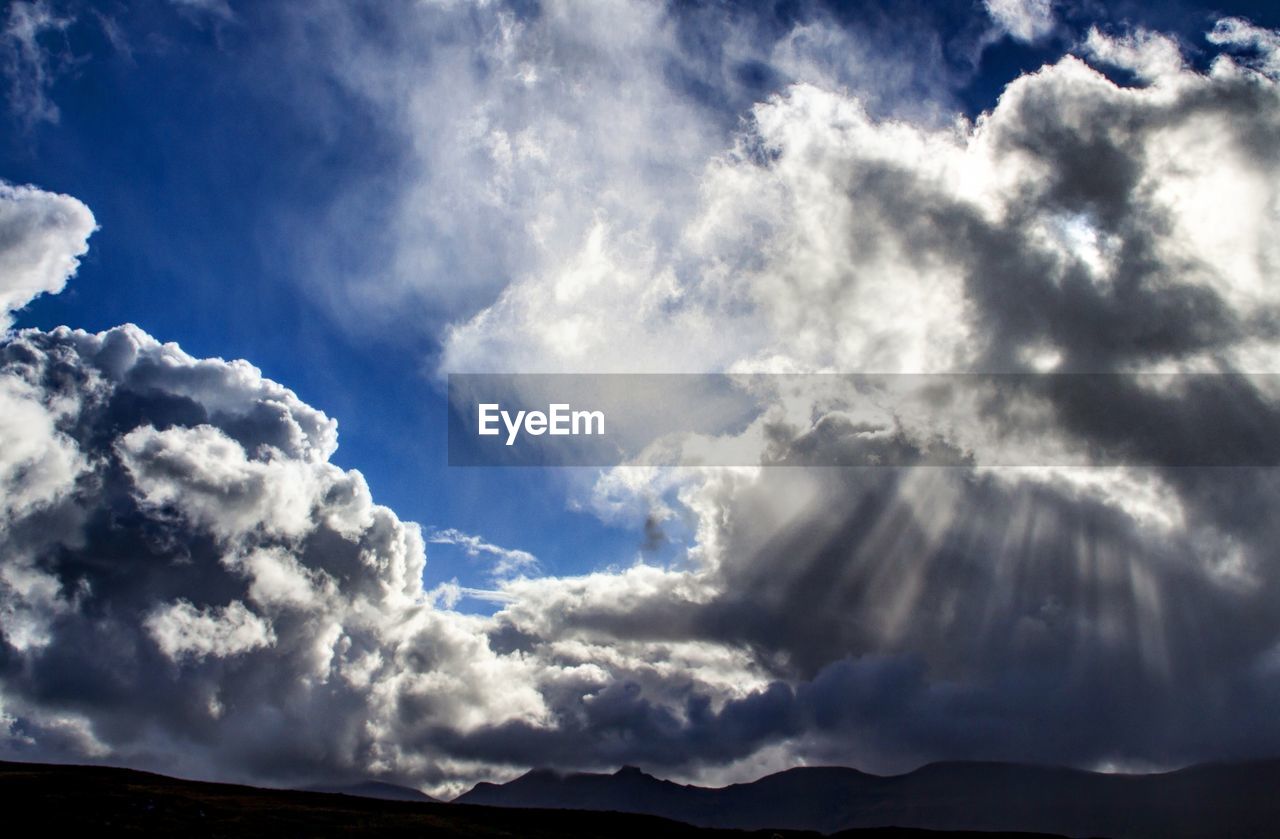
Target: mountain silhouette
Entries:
(1201, 802)
(374, 789)
(106, 801)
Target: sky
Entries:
(242, 245)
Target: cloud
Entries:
(507, 561)
(1238, 33)
(200, 569)
(1150, 55)
(528, 141)
(204, 592)
(190, 584)
(39, 462)
(28, 66)
(180, 630)
(1024, 20)
(1080, 226)
(1055, 229)
(42, 236)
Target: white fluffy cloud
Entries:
(38, 463)
(181, 630)
(195, 503)
(42, 236)
(828, 239)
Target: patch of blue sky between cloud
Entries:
(500, 565)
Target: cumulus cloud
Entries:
(201, 569)
(42, 236)
(202, 591)
(190, 584)
(1080, 226)
(38, 462)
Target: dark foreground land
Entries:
(106, 801)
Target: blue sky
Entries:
(358, 198)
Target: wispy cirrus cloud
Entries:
(506, 561)
(29, 62)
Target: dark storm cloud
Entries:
(1026, 600)
(1079, 616)
(912, 615)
